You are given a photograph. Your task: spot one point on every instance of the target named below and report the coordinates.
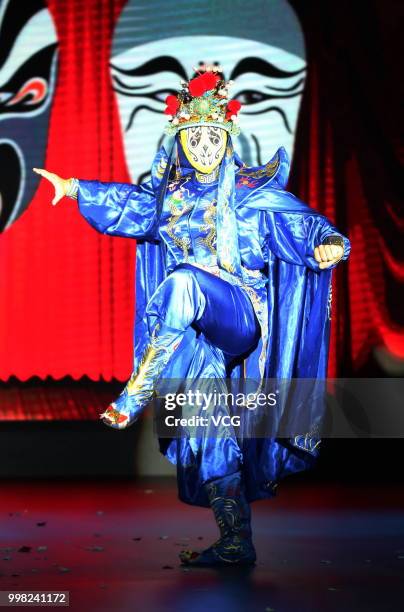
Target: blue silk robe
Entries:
(174, 220)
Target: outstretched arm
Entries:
(116, 209)
(61, 186)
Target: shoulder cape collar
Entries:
(275, 174)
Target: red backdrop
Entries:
(67, 293)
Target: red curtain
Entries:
(347, 164)
(67, 293)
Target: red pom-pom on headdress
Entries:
(172, 105)
(203, 83)
(233, 107)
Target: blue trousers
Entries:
(223, 312)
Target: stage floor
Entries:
(114, 546)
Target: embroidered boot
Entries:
(125, 410)
(233, 517)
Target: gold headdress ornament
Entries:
(204, 100)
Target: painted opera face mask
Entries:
(204, 146)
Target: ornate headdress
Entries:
(204, 100)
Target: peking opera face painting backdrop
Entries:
(267, 63)
(84, 97)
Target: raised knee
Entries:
(178, 300)
(184, 288)
(182, 280)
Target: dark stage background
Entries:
(67, 293)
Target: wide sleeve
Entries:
(291, 229)
(293, 236)
(118, 209)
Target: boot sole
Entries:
(218, 563)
